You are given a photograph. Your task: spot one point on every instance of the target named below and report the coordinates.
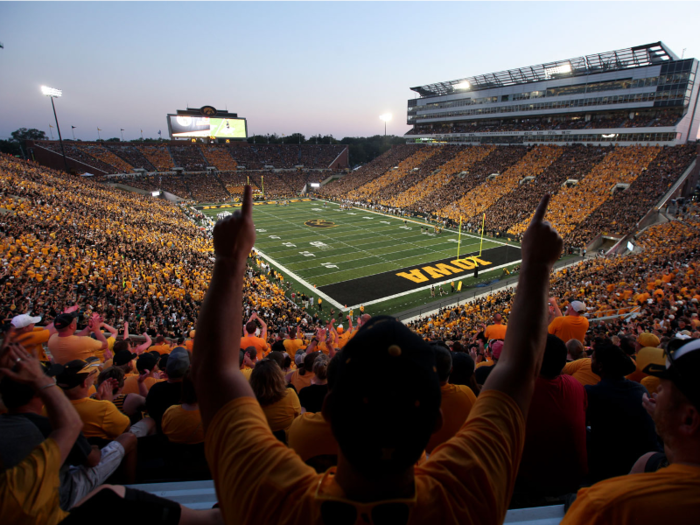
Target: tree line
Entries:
(361, 149)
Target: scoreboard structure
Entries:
(206, 123)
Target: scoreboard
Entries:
(207, 122)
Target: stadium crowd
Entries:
(481, 413)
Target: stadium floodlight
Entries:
(53, 93)
(463, 85)
(386, 117)
(557, 70)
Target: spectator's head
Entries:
(576, 308)
(575, 349)
(160, 340)
(178, 364)
(124, 360)
(385, 401)
(646, 339)
(24, 323)
(309, 361)
(17, 395)
(277, 357)
(76, 378)
(251, 357)
(113, 372)
(554, 357)
(146, 361)
(443, 362)
(267, 382)
(192, 334)
(457, 347)
(677, 413)
(462, 369)
(65, 323)
(320, 367)
(609, 362)
(498, 318)
(241, 358)
(627, 345)
(163, 362)
(250, 327)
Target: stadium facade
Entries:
(639, 95)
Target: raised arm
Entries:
(523, 348)
(126, 331)
(263, 328)
(145, 345)
(216, 375)
(22, 367)
(110, 329)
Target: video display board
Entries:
(184, 126)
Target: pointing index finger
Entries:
(247, 208)
(541, 209)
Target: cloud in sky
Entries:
(310, 67)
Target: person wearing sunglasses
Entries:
(670, 494)
(383, 408)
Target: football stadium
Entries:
(494, 320)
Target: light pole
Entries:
(122, 132)
(386, 117)
(53, 93)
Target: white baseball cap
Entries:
(24, 320)
(578, 306)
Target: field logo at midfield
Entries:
(441, 270)
(320, 223)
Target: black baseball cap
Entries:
(63, 320)
(74, 373)
(122, 357)
(146, 361)
(682, 368)
(386, 397)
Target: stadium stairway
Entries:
(201, 495)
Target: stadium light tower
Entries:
(53, 93)
(386, 117)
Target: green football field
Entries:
(356, 256)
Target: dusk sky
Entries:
(316, 67)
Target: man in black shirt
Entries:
(621, 429)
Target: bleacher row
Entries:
(505, 183)
(118, 157)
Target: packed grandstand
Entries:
(122, 283)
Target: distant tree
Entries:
(114, 139)
(24, 134)
(10, 147)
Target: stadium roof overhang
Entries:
(633, 57)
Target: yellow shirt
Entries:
(183, 426)
(581, 371)
(101, 419)
(469, 479)
(669, 495)
(569, 327)
(280, 415)
(65, 349)
(29, 491)
(33, 342)
(131, 384)
(495, 331)
(301, 381)
(259, 344)
(457, 402)
(161, 349)
(292, 346)
(310, 436)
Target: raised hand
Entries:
(22, 367)
(234, 236)
(106, 390)
(541, 244)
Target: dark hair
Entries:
(332, 370)
(113, 372)
(613, 361)
(554, 357)
(120, 345)
(627, 345)
(463, 367)
(267, 382)
(287, 362)
(443, 361)
(163, 361)
(309, 362)
(252, 353)
(250, 327)
(14, 394)
(241, 357)
(277, 357)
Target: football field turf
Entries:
(358, 256)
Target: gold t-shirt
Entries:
(469, 479)
(183, 426)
